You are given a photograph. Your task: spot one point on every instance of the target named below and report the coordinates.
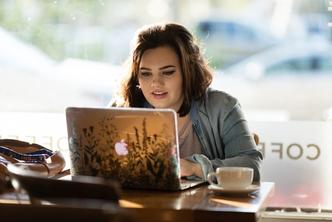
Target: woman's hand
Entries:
(189, 169)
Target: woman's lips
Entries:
(159, 95)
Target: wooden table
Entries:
(195, 204)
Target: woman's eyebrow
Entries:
(143, 68)
(168, 66)
(164, 67)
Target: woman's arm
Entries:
(189, 168)
(238, 146)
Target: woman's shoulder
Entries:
(217, 103)
(218, 97)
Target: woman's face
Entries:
(160, 78)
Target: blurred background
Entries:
(275, 56)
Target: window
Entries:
(60, 53)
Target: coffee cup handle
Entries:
(210, 178)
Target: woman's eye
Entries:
(145, 74)
(168, 73)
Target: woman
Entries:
(167, 70)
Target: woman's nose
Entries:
(157, 80)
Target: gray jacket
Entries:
(223, 132)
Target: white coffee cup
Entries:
(232, 177)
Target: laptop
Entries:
(138, 147)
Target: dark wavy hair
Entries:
(196, 73)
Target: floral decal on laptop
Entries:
(135, 158)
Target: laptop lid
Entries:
(137, 147)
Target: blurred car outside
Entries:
(20, 56)
(34, 82)
(228, 40)
(293, 79)
(98, 80)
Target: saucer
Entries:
(218, 189)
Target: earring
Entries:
(138, 86)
